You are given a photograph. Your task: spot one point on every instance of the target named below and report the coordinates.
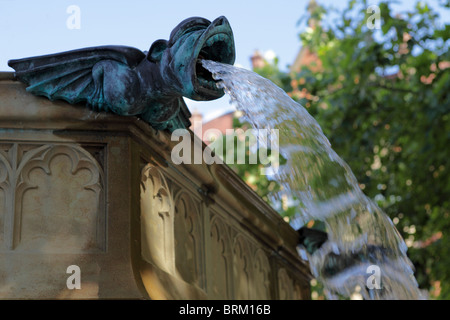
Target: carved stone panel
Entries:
(288, 288)
(261, 269)
(221, 262)
(53, 199)
(242, 267)
(4, 188)
(188, 239)
(157, 214)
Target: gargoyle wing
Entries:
(68, 75)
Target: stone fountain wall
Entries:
(99, 193)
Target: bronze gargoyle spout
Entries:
(312, 240)
(129, 82)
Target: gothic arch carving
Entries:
(288, 288)
(221, 259)
(157, 214)
(53, 198)
(242, 267)
(188, 239)
(261, 275)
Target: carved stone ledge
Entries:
(100, 192)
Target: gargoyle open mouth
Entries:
(216, 48)
(216, 44)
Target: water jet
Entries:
(359, 234)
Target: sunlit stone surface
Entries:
(99, 191)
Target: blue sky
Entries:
(30, 28)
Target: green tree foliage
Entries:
(382, 97)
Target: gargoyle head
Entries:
(179, 58)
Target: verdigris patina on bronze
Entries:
(129, 82)
(311, 239)
(335, 263)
